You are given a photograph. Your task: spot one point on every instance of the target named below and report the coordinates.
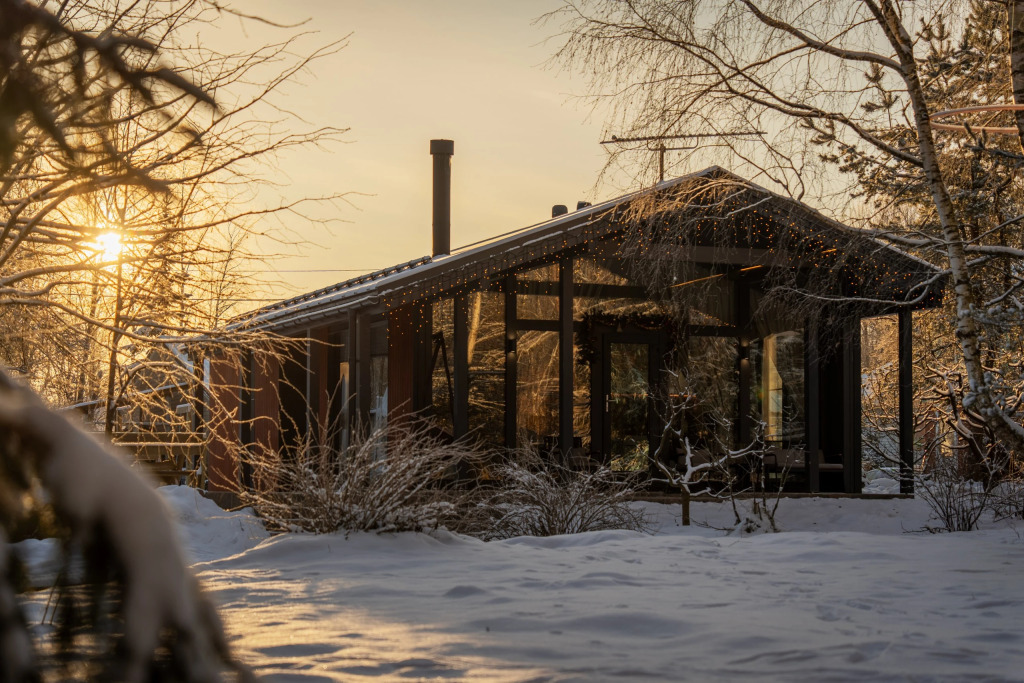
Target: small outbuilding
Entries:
(704, 310)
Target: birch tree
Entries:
(793, 77)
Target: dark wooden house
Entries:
(706, 300)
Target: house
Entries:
(706, 303)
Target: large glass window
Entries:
(709, 390)
(782, 388)
(537, 293)
(709, 297)
(442, 378)
(537, 390)
(581, 403)
(628, 403)
(486, 350)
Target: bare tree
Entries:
(131, 222)
(794, 78)
(123, 191)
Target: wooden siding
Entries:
(221, 468)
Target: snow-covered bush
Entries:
(143, 616)
(394, 478)
(955, 499)
(533, 496)
(1008, 496)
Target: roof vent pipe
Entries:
(442, 151)
(559, 210)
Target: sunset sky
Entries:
(466, 70)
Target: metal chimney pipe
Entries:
(442, 151)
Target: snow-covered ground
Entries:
(846, 593)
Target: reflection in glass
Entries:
(443, 389)
(709, 297)
(545, 273)
(486, 351)
(628, 406)
(537, 390)
(590, 271)
(782, 388)
(536, 307)
(581, 403)
(711, 388)
(620, 307)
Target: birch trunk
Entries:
(979, 396)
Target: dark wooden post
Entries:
(812, 405)
(852, 407)
(565, 349)
(460, 353)
(422, 387)
(362, 369)
(511, 373)
(745, 372)
(351, 342)
(905, 322)
(308, 390)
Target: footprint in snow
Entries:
(464, 591)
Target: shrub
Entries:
(393, 478)
(956, 500)
(532, 496)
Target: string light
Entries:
(792, 239)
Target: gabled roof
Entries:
(429, 276)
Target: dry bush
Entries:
(533, 496)
(1008, 496)
(394, 478)
(957, 500)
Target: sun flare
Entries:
(108, 246)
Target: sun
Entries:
(108, 246)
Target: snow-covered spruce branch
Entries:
(157, 604)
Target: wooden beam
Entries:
(905, 322)
(812, 402)
(732, 256)
(852, 407)
(589, 290)
(511, 373)
(362, 369)
(565, 366)
(423, 390)
(742, 304)
(308, 389)
(351, 343)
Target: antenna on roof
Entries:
(661, 148)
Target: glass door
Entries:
(627, 404)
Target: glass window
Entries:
(709, 297)
(782, 388)
(628, 404)
(612, 311)
(486, 350)
(537, 390)
(537, 293)
(581, 402)
(709, 390)
(442, 378)
(536, 307)
(591, 271)
(545, 273)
